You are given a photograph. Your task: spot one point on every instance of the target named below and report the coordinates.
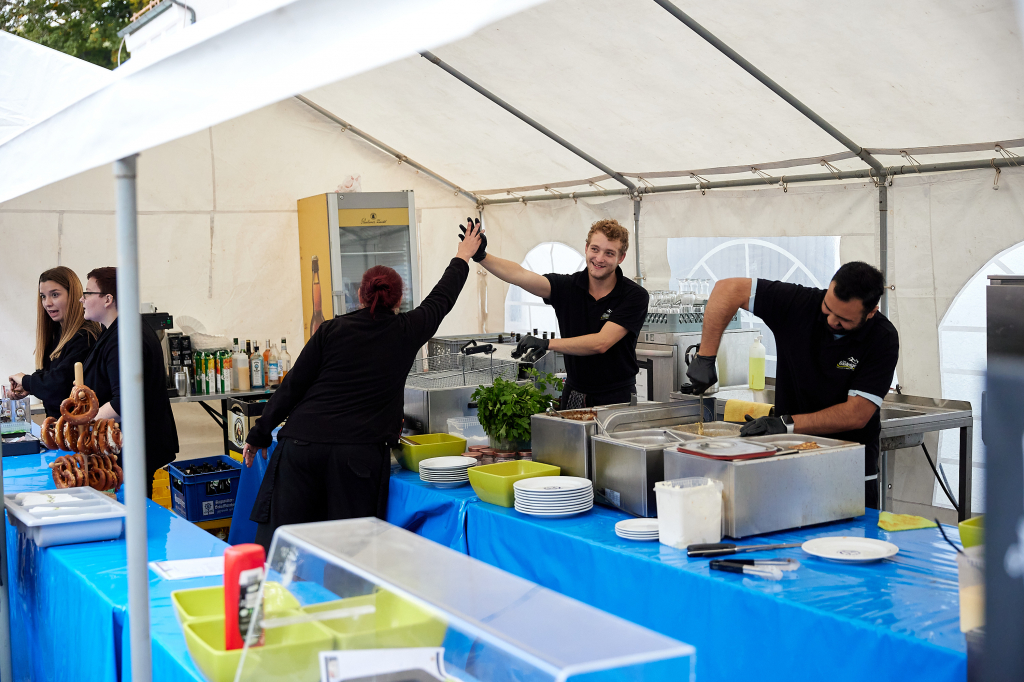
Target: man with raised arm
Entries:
(600, 313)
(836, 356)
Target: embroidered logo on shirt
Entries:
(607, 314)
(848, 363)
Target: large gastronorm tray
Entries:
(89, 516)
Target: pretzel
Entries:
(81, 407)
(98, 435)
(113, 438)
(60, 473)
(70, 435)
(85, 440)
(58, 434)
(46, 434)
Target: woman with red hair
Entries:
(344, 400)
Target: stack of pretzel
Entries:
(95, 444)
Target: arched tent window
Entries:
(810, 261)
(962, 364)
(525, 312)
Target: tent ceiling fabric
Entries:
(277, 49)
(631, 85)
(623, 80)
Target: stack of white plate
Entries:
(446, 472)
(553, 496)
(637, 529)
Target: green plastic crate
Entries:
(415, 449)
(493, 482)
(289, 653)
(208, 602)
(397, 623)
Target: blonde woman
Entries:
(63, 337)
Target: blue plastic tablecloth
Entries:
(437, 516)
(69, 603)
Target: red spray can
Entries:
(243, 575)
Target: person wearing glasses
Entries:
(63, 337)
(103, 374)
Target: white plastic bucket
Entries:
(689, 511)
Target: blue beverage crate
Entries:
(204, 497)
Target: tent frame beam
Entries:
(437, 61)
(402, 158)
(769, 181)
(862, 153)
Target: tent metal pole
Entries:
(883, 244)
(402, 158)
(129, 343)
(772, 85)
(772, 181)
(636, 239)
(434, 59)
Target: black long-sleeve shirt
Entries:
(103, 375)
(348, 383)
(52, 384)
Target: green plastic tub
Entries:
(397, 623)
(972, 531)
(208, 602)
(415, 449)
(289, 653)
(493, 482)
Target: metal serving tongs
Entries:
(551, 410)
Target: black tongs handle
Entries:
(711, 549)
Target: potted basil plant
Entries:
(505, 408)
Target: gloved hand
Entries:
(702, 373)
(763, 426)
(530, 344)
(481, 253)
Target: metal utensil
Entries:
(723, 548)
(552, 410)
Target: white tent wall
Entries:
(218, 226)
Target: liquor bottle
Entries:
(236, 364)
(284, 360)
(318, 312)
(272, 369)
(256, 368)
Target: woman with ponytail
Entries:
(63, 337)
(344, 400)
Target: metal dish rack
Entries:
(454, 370)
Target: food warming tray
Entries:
(64, 517)
(728, 449)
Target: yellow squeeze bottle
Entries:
(755, 375)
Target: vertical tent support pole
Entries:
(129, 340)
(636, 239)
(883, 244)
(6, 669)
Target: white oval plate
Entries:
(850, 549)
(637, 526)
(553, 484)
(451, 462)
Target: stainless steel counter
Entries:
(222, 396)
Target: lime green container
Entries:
(972, 531)
(208, 602)
(289, 653)
(493, 482)
(415, 449)
(397, 623)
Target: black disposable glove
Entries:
(530, 345)
(763, 426)
(702, 373)
(481, 253)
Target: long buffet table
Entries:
(895, 620)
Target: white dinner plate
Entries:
(556, 503)
(850, 549)
(573, 505)
(639, 538)
(457, 474)
(637, 526)
(455, 483)
(553, 484)
(556, 499)
(553, 510)
(554, 515)
(454, 462)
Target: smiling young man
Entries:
(600, 313)
(836, 355)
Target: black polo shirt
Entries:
(815, 369)
(579, 314)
